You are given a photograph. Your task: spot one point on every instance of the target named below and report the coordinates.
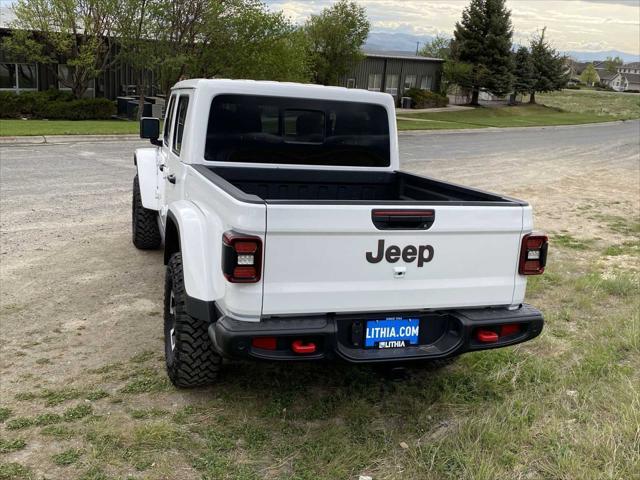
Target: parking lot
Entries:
(82, 327)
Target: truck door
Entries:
(173, 170)
(163, 157)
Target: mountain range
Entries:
(405, 42)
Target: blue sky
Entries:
(582, 25)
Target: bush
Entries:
(426, 99)
(603, 87)
(54, 105)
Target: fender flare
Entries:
(188, 232)
(145, 160)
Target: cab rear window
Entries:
(262, 129)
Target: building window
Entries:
(409, 81)
(18, 76)
(65, 81)
(391, 84)
(375, 82)
(351, 83)
(426, 83)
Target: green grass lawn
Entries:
(567, 107)
(622, 106)
(13, 128)
(518, 116)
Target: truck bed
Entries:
(258, 185)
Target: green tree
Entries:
(549, 67)
(524, 74)
(75, 32)
(246, 40)
(334, 40)
(438, 47)
(612, 64)
(483, 39)
(136, 46)
(589, 75)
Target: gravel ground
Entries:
(76, 295)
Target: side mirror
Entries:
(150, 128)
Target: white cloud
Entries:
(571, 24)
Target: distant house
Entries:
(631, 71)
(616, 80)
(626, 77)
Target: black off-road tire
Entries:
(144, 222)
(190, 359)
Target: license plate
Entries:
(392, 332)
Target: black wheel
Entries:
(191, 361)
(144, 222)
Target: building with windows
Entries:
(390, 72)
(394, 73)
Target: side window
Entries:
(181, 115)
(167, 120)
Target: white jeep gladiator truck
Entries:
(290, 233)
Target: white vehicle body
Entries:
(323, 254)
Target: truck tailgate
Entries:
(316, 259)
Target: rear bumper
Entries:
(443, 334)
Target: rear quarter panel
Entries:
(213, 212)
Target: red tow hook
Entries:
(486, 336)
(301, 348)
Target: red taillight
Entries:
(266, 343)
(533, 254)
(241, 257)
(509, 329)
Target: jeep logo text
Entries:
(423, 253)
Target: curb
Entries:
(62, 139)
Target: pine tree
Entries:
(524, 74)
(483, 39)
(549, 67)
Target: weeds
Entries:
(68, 457)
(7, 445)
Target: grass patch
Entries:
(53, 397)
(626, 248)
(94, 473)
(78, 412)
(7, 445)
(568, 241)
(145, 413)
(5, 413)
(19, 423)
(68, 457)
(61, 432)
(482, 117)
(14, 471)
(14, 128)
(143, 356)
(146, 380)
(622, 106)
